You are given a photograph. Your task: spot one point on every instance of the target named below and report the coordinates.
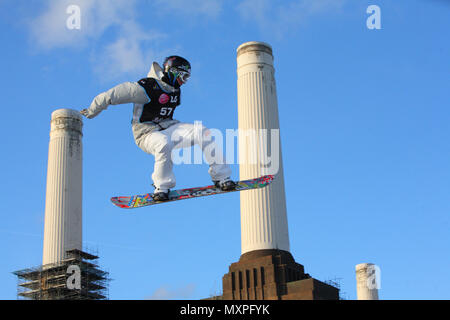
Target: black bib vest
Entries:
(162, 104)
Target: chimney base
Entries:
(273, 275)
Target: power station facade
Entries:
(266, 269)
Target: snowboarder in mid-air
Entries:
(155, 99)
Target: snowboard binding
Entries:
(225, 185)
(159, 195)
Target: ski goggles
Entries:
(183, 75)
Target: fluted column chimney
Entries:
(266, 269)
(63, 205)
(263, 211)
(366, 281)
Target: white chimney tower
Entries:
(367, 281)
(263, 211)
(63, 205)
(266, 269)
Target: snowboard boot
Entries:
(225, 185)
(161, 195)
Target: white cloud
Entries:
(257, 10)
(280, 17)
(118, 44)
(49, 30)
(188, 9)
(130, 53)
(165, 293)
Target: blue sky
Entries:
(364, 118)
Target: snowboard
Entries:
(143, 200)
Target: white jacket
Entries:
(132, 92)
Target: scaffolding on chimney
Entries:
(77, 277)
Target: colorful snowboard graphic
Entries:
(147, 199)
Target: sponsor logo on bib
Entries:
(163, 99)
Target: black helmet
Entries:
(176, 68)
